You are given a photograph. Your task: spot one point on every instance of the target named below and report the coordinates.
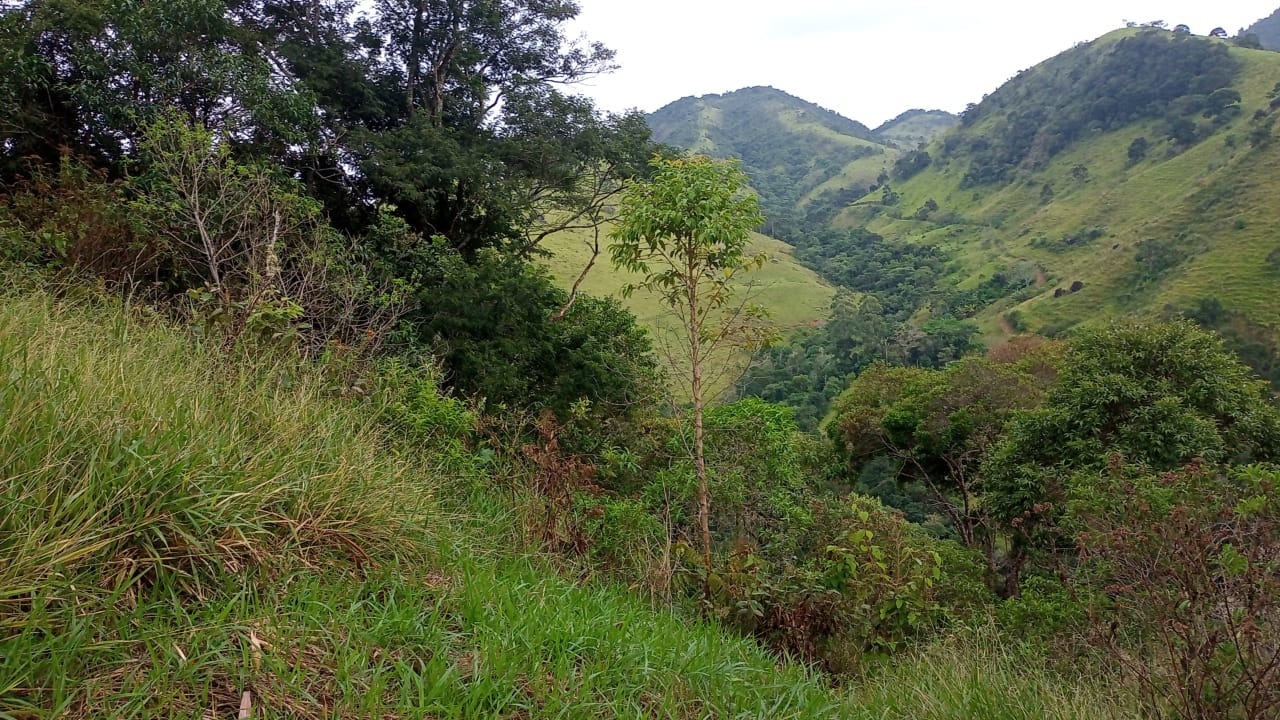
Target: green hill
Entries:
(1133, 175)
(916, 127)
(794, 151)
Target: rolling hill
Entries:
(794, 151)
(1090, 192)
(916, 127)
(1131, 176)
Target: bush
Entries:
(490, 323)
(870, 593)
(1190, 561)
(1046, 612)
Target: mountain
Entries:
(1267, 30)
(916, 127)
(1130, 176)
(794, 151)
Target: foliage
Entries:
(1254, 343)
(1154, 395)
(1190, 559)
(1138, 150)
(760, 491)
(937, 426)
(71, 216)
(1046, 612)
(910, 165)
(1078, 239)
(92, 75)
(901, 274)
(869, 592)
(489, 322)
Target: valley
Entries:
(356, 361)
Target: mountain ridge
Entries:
(1124, 177)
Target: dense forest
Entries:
(294, 424)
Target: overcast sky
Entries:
(868, 60)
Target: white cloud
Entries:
(867, 60)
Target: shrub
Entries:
(869, 593)
(1046, 611)
(1190, 560)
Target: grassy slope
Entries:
(794, 295)
(192, 529)
(1202, 191)
(862, 172)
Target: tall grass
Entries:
(981, 673)
(129, 458)
(178, 529)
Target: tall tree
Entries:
(685, 233)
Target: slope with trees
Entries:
(1266, 30)
(1117, 194)
(791, 149)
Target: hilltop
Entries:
(916, 127)
(794, 151)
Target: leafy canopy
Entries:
(690, 223)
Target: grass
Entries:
(181, 527)
(794, 296)
(979, 673)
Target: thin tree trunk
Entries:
(699, 457)
(415, 58)
(573, 294)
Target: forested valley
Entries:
(307, 412)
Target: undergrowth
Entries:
(186, 533)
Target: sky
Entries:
(867, 60)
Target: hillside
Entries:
(794, 151)
(916, 127)
(1268, 31)
(794, 295)
(1083, 191)
(219, 531)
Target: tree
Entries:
(1249, 41)
(685, 233)
(1138, 150)
(1190, 560)
(1219, 33)
(937, 426)
(1157, 396)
